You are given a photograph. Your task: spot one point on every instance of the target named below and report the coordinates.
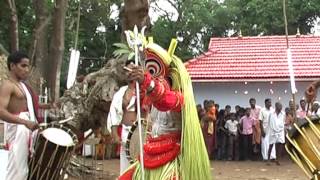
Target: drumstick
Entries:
(44, 125)
(128, 69)
(65, 120)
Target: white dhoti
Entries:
(277, 138)
(3, 164)
(265, 147)
(19, 141)
(124, 163)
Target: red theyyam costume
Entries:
(175, 149)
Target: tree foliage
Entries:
(199, 20)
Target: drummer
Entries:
(123, 114)
(16, 108)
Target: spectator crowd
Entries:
(249, 133)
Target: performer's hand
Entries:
(137, 74)
(31, 125)
(311, 93)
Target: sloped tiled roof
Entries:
(261, 58)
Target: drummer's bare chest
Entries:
(18, 101)
(129, 113)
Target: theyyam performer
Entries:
(175, 148)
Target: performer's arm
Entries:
(160, 94)
(6, 91)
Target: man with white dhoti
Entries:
(16, 109)
(264, 123)
(122, 113)
(276, 130)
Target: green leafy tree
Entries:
(200, 20)
(256, 17)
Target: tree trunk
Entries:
(14, 34)
(57, 47)
(135, 12)
(38, 52)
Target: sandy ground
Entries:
(221, 170)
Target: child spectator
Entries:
(232, 126)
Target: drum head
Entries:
(133, 142)
(58, 136)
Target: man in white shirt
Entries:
(232, 125)
(264, 122)
(276, 130)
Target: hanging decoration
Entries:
(73, 67)
(74, 57)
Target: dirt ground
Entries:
(221, 170)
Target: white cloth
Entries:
(115, 118)
(232, 126)
(264, 117)
(18, 138)
(116, 111)
(265, 148)
(4, 162)
(276, 127)
(124, 163)
(20, 141)
(29, 102)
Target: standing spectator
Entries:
(232, 126)
(209, 122)
(302, 111)
(289, 119)
(246, 127)
(264, 123)
(227, 110)
(292, 106)
(254, 114)
(315, 108)
(276, 131)
(217, 107)
(220, 134)
(201, 112)
(237, 108)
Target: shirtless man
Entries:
(122, 113)
(14, 111)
